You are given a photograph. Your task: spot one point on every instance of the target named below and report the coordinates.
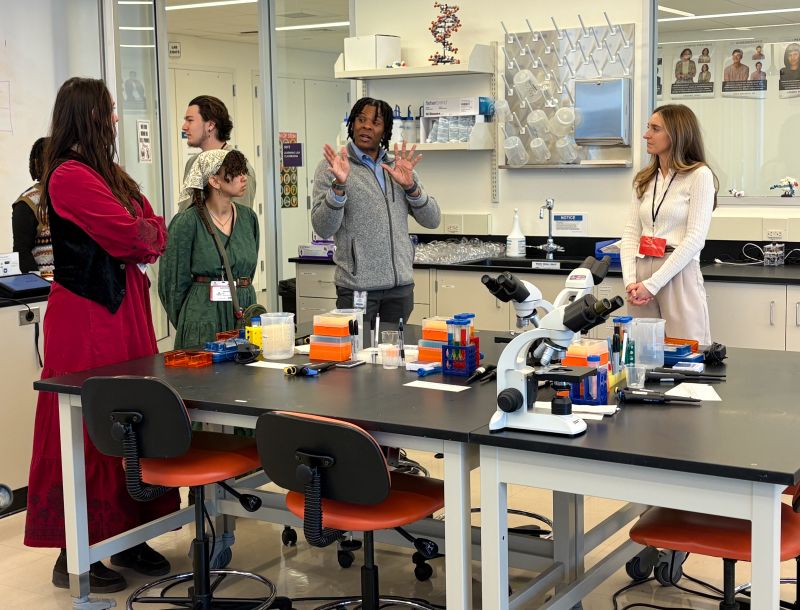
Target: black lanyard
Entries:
(656, 210)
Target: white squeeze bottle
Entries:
(515, 242)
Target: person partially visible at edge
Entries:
(673, 198)
(31, 237)
(207, 126)
(363, 196)
(192, 266)
(105, 234)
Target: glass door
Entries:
(132, 73)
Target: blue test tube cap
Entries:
(464, 316)
(622, 319)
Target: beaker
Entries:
(648, 340)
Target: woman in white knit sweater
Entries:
(673, 198)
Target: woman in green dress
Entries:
(192, 282)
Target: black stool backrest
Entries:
(359, 474)
(165, 429)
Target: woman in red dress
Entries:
(104, 235)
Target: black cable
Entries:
(213, 533)
(30, 317)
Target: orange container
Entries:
(435, 329)
(674, 341)
(336, 352)
(330, 325)
(583, 360)
(227, 334)
(181, 358)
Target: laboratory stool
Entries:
(714, 536)
(339, 481)
(144, 421)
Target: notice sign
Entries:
(575, 225)
(174, 50)
(144, 146)
(9, 264)
(292, 154)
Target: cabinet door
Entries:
(308, 307)
(549, 285)
(793, 318)
(608, 289)
(422, 285)
(747, 315)
(463, 291)
(315, 281)
(421, 311)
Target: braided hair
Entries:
(383, 110)
(234, 164)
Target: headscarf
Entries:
(205, 165)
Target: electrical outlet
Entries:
(25, 313)
(775, 234)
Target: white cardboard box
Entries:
(371, 52)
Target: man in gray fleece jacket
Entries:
(363, 196)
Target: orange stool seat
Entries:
(212, 457)
(710, 534)
(405, 504)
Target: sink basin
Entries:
(528, 263)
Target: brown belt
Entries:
(242, 282)
(669, 249)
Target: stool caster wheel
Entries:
(221, 561)
(641, 565)
(288, 536)
(345, 558)
(667, 560)
(423, 571)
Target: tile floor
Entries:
(303, 571)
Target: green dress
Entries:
(191, 252)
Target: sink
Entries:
(528, 263)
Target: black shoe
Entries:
(101, 578)
(142, 559)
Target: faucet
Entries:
(550, 247)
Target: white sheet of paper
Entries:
(269, 365)
(432, 385)
(703, 391)
(302, 349)
(581, 410)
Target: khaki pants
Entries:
(681, 302)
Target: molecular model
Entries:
(442, 28)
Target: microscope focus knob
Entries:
(509, 400)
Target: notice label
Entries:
(575, 225)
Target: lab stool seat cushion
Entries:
(410, 499)
(212, 457)
(711, 535)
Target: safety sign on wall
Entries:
(575, 225)
(291, 159)
(145, 150)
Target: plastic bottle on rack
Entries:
(397, 127)
(410, 128)
(515, 242)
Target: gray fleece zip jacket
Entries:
(370, 229)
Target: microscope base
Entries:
(565, 425)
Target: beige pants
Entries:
(681, 302)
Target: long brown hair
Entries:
(686, 147)
(82, 128)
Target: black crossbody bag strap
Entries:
(237, 311)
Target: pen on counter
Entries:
(352, 326)
(377, 330)
(402, 342)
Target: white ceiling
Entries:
(715, 7)
(239, 23)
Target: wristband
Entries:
(337, 185)
(412, 190)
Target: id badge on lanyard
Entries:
(219, 291)
(360, 300)
(650, 245)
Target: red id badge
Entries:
(652, 246)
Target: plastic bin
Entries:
(599, 254)
(287, 291)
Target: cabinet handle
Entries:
(325, 281)
(497, 303)
(772, 313)
(797, 314)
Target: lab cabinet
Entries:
(747, 315)
(793, 318)
(308, 307)
(316, 281)
(460, 291)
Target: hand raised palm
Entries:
(404, 163)
(338, 163)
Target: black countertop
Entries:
(6, 302)
(713, 272)
(751, 434)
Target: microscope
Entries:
(576, 310)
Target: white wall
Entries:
(42, 43)
(460, 180)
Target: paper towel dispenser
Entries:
(604, 108)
